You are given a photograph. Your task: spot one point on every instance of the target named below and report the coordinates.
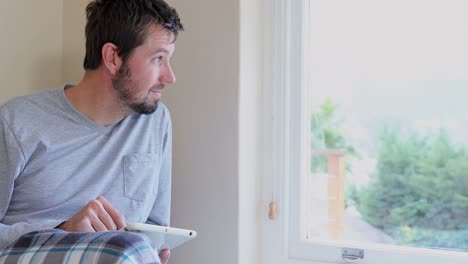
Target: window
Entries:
(369, 148)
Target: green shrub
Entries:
(420, 184)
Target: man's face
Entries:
(141, 79)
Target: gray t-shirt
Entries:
(54, 160)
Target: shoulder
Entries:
(26, 107)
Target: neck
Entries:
(96, 98)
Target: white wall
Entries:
(30, 46)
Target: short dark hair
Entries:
(124, 23)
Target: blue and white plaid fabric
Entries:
(57, 246)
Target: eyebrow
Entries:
(161, 50)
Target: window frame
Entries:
(284, 108)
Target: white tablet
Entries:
(163, 236)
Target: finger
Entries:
(106, 219)
(98, 208)
(116, 216)
(164, 255)
(97, 224)
(100, 217)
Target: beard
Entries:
(127, 89)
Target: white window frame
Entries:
(284, 105)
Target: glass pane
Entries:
(389, 139)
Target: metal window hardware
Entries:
(351, 255)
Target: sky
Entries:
(393, 61)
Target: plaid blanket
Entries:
(57, 246)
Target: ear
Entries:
(110, 58)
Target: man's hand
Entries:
(164, 255)
(97, 215)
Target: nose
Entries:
(167, 76)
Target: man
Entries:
(94, 156)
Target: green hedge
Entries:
(430, 238)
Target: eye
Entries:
(158, 59)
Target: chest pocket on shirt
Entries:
(141, 176)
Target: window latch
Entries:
(351, 255)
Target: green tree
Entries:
(420, 187)
(327, 133)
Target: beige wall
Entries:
(215, 109)
(216, 114)
(74, 19)
(30, 46)
(204, 105)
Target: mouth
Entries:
(157, 89)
